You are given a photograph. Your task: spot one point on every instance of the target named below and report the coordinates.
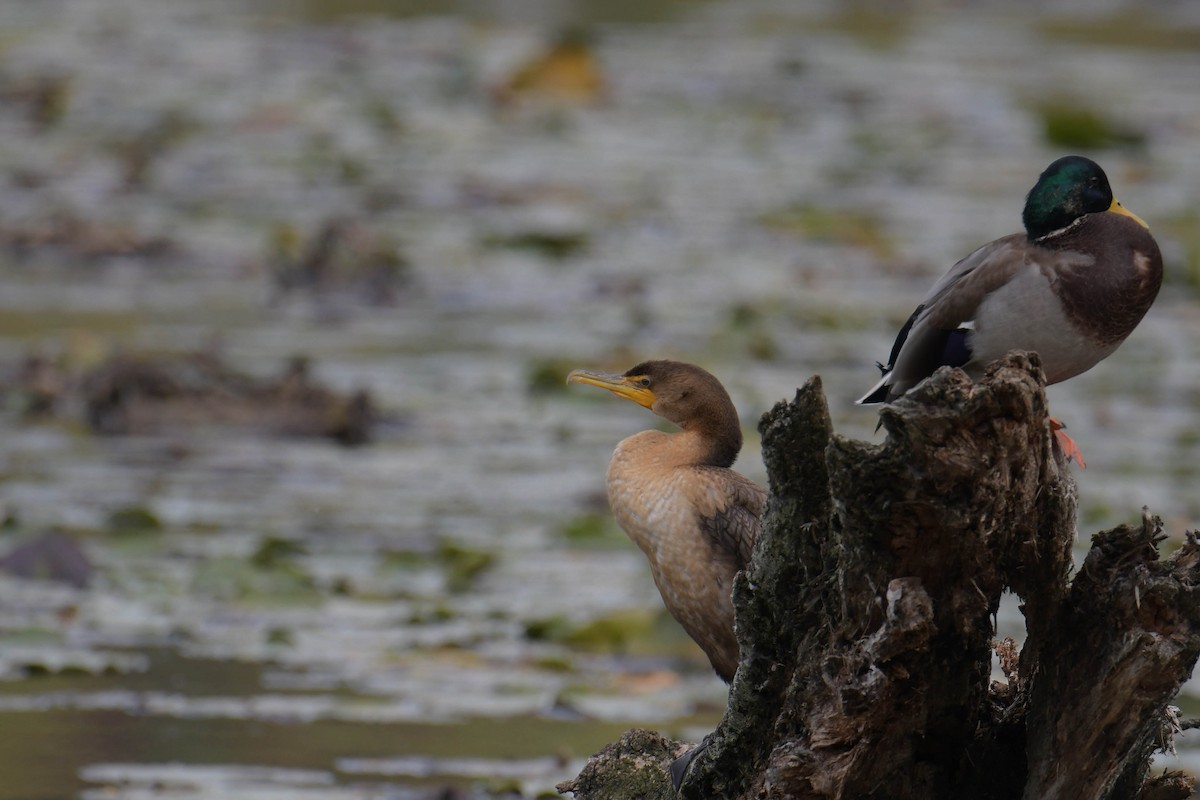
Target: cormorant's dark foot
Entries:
(680, 765)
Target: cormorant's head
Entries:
(681, 393)
(684, 394)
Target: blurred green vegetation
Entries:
(1070, 124)
(133, 520)
(1125, 28)
(848, 227)
(549, 375)
(463, 564)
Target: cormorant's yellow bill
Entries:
(631, 387)
(1120, 209)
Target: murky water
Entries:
(766, 189)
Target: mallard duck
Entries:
(674, 494)
(1070, 288)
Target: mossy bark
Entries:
(866, 616)
(632, 768)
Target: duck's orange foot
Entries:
(1066, 443)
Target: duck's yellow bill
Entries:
(1116, 207)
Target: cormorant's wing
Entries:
(731, 524)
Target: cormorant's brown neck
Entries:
(718, 436)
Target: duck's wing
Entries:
(729, 513)
(936, 333)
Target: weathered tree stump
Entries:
(866, 618)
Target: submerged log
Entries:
(866, 616)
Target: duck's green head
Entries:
(1069, 188)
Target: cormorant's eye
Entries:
(645, 382)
